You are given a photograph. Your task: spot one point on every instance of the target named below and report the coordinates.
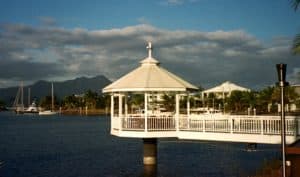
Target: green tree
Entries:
(249, 99)
(234, 101)
(136, 100)
(103, 101)
(46, 102)
(290, 95)
(72, 101)
(90, 99)
(169, 101)
(264, 98)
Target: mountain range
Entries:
(61, 89)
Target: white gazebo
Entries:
(153, 120)
(150, 81)
(224, 90)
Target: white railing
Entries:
(266, 125)
(225, 124)
(161, 122)
(136, 122)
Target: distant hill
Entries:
(61, 89)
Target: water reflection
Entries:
(150, 171)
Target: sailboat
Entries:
(18, 105)
(50, 112)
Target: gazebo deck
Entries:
(215, 127)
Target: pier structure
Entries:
(138, 106)
(147, 103)
(151, 102)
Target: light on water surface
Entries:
(67, 146)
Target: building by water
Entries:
(137, 112)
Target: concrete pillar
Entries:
(150, 171)
(150, 151)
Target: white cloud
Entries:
(204, 58)
(177, 2)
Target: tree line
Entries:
(89, 99)
(263, 101)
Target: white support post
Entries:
(120, 112)
(177, 97)
(126, 106)
(112, 111)
(146, 111)
(112, 105)
(126, 111)
(188, 110)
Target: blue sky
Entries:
(87, 38)
(264, 19)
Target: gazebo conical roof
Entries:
(149, 76)
(226, 87)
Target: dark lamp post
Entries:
(281, 70)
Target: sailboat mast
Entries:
(52, 97)
(28, 96)
(22, 97)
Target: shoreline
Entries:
(84, 112)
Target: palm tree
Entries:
(295, 4)
(90, 98)
(296, 41)
(296, 44)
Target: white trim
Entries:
(145, 90)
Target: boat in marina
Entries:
(47, 112)
(18, 105)
(33, 109)
(50, 112)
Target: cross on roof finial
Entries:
(149, 47)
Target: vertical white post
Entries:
(126, 106)
(146, 111)
(112, 105)
(125, 112)
(203, 124)
(22, 98)
(52, 97)
(29, 102)
(231, 125)
(188, 110)
(177, 106)
(112, 111)
(261, 125)
(120, 112)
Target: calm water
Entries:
(74, 146)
